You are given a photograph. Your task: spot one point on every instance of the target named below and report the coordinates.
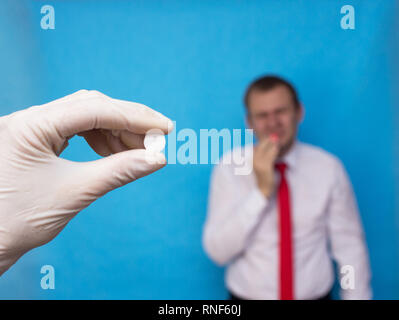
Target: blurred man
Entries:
(279, 228)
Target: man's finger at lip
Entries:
(266, 142)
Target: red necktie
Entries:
(286, 261)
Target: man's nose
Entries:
(272, 121)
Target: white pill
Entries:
(154, 140)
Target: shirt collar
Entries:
(290, 158)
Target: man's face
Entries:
(274, 112)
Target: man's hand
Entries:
(265, 155)
(40, 192)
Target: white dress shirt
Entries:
(241, 228)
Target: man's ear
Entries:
(300, 113)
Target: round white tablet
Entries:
(154, 140)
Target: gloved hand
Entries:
(40, 192)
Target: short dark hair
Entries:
(269, 82)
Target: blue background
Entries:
(192, 60)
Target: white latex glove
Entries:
(40, 192)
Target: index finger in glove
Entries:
(88, 110)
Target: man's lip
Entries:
(274, 137)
